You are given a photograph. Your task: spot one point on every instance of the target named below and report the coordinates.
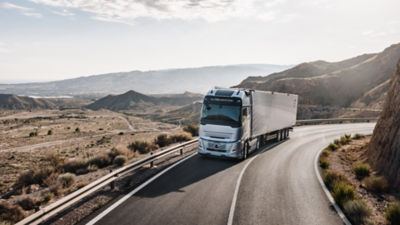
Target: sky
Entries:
(59, 39)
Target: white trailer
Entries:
(235, 122)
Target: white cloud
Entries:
(63, 12)
(127, 11)
(23, 10)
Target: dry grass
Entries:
(120, 160)
(11, 213)
(376, 184)
(393, 213)
(357, 211)
(67, 179)
(143, 147)
(28, 203)
(361, 170)
(192, 129)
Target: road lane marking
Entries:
(130, 194)
(235, 194)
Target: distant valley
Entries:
(195, 80)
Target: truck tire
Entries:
(278, 136)
(258, 144)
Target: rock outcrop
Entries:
(384, 148)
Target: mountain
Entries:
(133, 100)
(197, 80)
(14, 102)
(384, 148)
(359, 82)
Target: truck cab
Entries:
(225, 123)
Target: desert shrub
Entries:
(343, 193)
(77, 130)
(193, 129)
(332, 177)
(346, 139)
(77, 166)
(376, 184)
(48, 197)
(81, 184)
(114, 152)
(181, 137)
(33, 134)
(56, 189)
(337, 142)
(162, 140)
(325, 153)
(142, 147)
(358, 136)
(101, 161)
(362, 170)
(332, 147)
(120, 160)
(55, 160)
(37, 176)
(11, 213)
(66, 179)
(103, 140)
(121, 133)
(357, 211)
(324, 163)
(27, 203)
(393, 213)
(50, 132)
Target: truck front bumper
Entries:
(220, 149)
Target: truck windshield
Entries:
(223, 111)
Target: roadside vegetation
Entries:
(349, 193)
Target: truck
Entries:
(235, 122)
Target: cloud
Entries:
(63, 12)
(127, 11)
(23, 10)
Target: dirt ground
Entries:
(69, 133)
(343, 159)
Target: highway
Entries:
(276, 185)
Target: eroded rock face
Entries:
(384, 148)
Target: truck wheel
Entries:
(258, 143)
(278, 136)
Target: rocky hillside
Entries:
(197, 80)
(384, 148)
(14, 102)
(360, 82)
(132, 100)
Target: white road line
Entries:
(130, 194)
(233, 205)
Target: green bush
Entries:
(343, 193)
(337, 142)
(325, 153)
(357, 211)
(376, 184)
(332, 147)
(101, 161)
(162, 140)
(66, 180)
(362, 170)
(358, 136)
(120, 160)
(143, 147)
(344, 141)
(324, 163)
(332, 177)
(393, 213)
(193, 129)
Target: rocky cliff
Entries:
(384, 148)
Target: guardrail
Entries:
(65, 202)
(335, 120)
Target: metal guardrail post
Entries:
(181, 151)
(152, 162)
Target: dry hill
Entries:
(384, 148)
(14, 102)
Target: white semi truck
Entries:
(236, 122)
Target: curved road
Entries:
(276, 185)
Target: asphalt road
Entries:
(276, 185)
